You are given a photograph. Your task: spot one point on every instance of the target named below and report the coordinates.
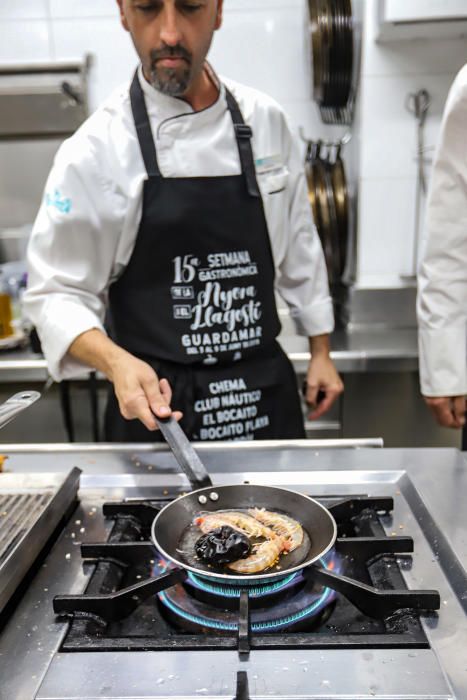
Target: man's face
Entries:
(172, 38)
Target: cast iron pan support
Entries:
(350, 507)
(116, 606)
(184, 453)
(244, 625)
(243, 692)
(371, 601)
(366, 548)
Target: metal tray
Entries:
(31, 507)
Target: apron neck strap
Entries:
(243, 135)
(143, 128)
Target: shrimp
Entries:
(251, 526)
(211, 521)
(263, 557)
(239, 521)
(287, 528)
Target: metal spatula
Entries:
(15, 404)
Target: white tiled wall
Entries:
(24, 9)
(387, 137)
(32, 43)
(263, 43)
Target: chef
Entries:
(169, 220)
(442, 278)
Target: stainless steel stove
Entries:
(104, 616)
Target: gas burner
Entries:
(290, 603)
(202, 583)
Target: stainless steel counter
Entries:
(366, 350)
(362, 350)
(428, 487)
(436, 478)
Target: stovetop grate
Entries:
(120, 612)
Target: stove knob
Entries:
(214, 496)
(202, 499)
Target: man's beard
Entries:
(170, 81)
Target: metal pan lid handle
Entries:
(184, 453)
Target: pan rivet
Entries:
(202, 499)
(214, 496)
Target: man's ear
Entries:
(123, 18)
(220, 7)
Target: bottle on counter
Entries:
(6, 310)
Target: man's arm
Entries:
(140, 392)
(72, 253)
(322, 377)
(303, 284)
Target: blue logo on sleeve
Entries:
(56, 200)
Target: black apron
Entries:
(196, 301)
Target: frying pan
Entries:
(174, 535)
(309, 165)
(341, 200)
(327, 226)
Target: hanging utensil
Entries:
(418, 104)
(320, 39)
(310, 178)
(332, 41)
(327, 219)
(341, 199)
(329, 200)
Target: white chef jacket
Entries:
(87, 225)
(442, 278)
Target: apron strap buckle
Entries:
(243, 131)
(244, 134)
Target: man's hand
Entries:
(322, 377)
(139, 391)
(449, 411)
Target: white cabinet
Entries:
(418, 19)
(424, 10)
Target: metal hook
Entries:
(325, 142)
(304, 138)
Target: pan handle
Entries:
(184, 453)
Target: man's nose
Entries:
(170, 29)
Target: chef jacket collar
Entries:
(164, 107)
